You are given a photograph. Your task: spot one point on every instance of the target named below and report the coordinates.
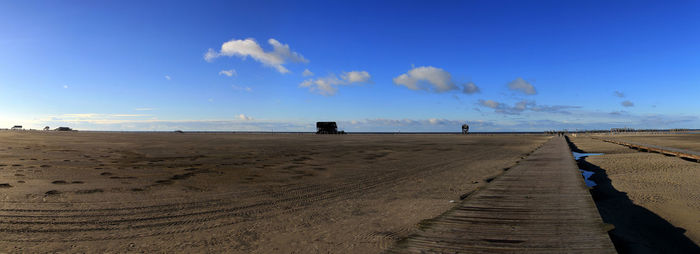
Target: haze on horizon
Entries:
(371, 66)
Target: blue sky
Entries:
(377, 66)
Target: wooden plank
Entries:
(542, 205)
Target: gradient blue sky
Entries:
(538, 65)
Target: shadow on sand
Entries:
(637, 230)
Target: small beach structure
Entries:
(326, 128)
(16, 127)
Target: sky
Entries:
(369, 65)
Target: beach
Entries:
(244, 193)
(652, 199)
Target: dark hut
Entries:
(465, 128)
(326, 128)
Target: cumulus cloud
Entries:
(280, 54)
(329, 85)
(470, 88)
(65, 86)
(307, 73)
(619, 94)
(489, 103)
(356, 76)
(167, 77)
(627, 104)
(524, 105)
(434, 79)
(520, 85)
(228, 73)
(244, 117)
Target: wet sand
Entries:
(652, 199)
(245, 193)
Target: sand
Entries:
(236, 193)
(682, 141)
(652, 199)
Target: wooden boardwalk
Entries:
(542, 205)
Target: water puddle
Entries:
(578, 156)
(586, 174)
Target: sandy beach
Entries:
(682, 141)
(245, 193)
(652, 199)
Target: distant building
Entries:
(465, 128)
(16, 127)
(326, 128)
(63, 129)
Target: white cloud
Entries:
(439, 79)
(307, 73)
(470, 88)
(525, 105)
(210, 55)
(244, 117)
(329, 85)
(356, 76)
(167, 77)
(519, 84)
(279, 55)
(627, 104)
(242, 88)
(65, 86)
(489, 103)
(432, 79)
(228, 73)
